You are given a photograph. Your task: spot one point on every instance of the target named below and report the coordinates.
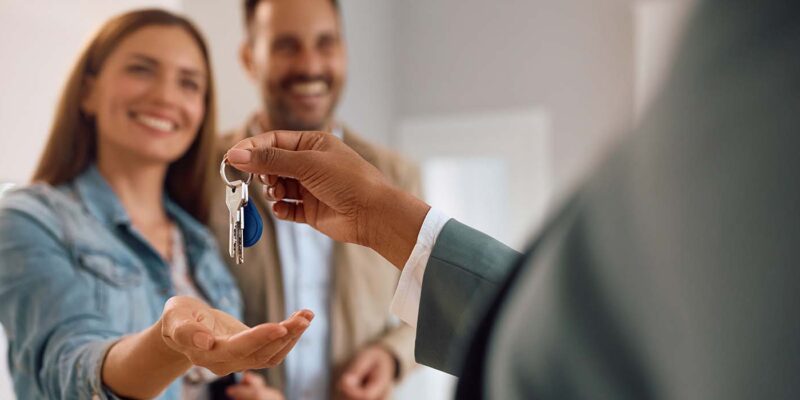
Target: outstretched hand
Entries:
(315, 178)
(217, 341)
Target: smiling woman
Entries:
(110, 284)
(131, 52)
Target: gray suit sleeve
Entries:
(465, 269)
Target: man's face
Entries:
(296, 55)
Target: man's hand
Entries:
(215, 340)
(370, 376)
(253, 387)
(316, 179)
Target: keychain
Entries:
(244, 222)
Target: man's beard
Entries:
(281, 115)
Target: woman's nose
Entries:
(165, 91)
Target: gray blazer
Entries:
(674, 271)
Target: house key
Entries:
(245, 225)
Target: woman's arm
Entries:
(190, 332)
(58, 337)
(63, 345)
(142, 365)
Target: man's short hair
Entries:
(250, 9)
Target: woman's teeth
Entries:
(160, 124)
(315, 88)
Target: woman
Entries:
(113, 227)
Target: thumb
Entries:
(192, 335)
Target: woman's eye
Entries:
(139, 69)
(190, 85)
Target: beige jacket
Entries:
(363, 282)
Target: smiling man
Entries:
(294, 52)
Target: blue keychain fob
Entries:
(253, 226)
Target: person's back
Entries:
(672, 272)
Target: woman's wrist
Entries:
(169, 354)
(142, 365)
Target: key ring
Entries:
(225, 178)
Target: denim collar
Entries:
(98, 197)
(101, 201)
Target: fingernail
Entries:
(239, 156)
(202, 340)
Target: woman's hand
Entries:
(215, 340)
(316, 179)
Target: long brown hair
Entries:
(72, 145)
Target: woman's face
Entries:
(149, 97)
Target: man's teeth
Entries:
(315, 88)
(160, 124)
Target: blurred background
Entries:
(476, 92)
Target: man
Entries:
(294, 52)
(671, 273)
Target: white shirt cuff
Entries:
(405, 304)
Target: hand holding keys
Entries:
(245, 223)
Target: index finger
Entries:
(276, 153)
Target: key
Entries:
(236, 197)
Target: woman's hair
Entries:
(72, 145)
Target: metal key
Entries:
(236, 197)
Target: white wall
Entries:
(659, 25)
(368, 103)
(459, 160)
(221, 23)
(571, 57)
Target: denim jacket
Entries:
(75, 276)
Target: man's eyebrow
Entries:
(286, 37)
